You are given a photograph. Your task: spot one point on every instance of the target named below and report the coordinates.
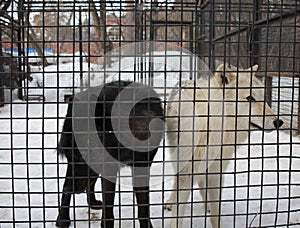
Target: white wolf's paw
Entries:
(207, 208)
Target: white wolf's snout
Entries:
(263, 117)
(268, 126)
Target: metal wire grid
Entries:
(261, 183)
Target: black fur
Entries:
(80, 177)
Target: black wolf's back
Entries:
(139, 118)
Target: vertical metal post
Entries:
(21, 44)
(80, 50)
(255, 48)
(138, 20)
(1, 71)
(298, 120)
(3, 10)
(192, 63)
(255, 54)
(212, 35)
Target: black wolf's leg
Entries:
(91, 198)
(141, 190)
(108, 197)
(63, 219)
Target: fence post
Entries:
(80, 51)
(212, 34)
(21, 45)
(1, 71)
(255, 36)
(298, 120)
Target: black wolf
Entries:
(81, 176)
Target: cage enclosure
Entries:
(165, 113)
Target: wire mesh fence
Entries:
(164, 113)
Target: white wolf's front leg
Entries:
(214, 199)
(173, 197)
(202, 191)
(171, 201)
(184, 190)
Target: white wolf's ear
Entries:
(253, 68)
(224, 75)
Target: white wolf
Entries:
(205, 122)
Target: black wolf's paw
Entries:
(96, 204)
(62, 223)
(146, 224)
(107, 224)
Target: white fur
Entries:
(209, 129)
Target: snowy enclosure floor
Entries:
(267, 175)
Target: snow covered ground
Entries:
(29, 175)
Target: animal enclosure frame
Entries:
(52, 50)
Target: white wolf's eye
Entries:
(250, 99)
